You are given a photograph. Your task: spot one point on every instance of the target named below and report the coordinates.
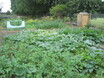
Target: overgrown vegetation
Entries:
(45, 24)
(66, 53)
(62, 53)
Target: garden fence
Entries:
(97, 16)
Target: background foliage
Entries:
(59, 10)
(41, 7)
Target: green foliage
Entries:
(16, 22)
(59, 10)
(42, 24)
(67, 53)
(42, 7)
(91, 6)
(8, 12)
(89, 25)
(66, 19)
(102, 7)
(98, 22)
(32, 7)
(2, 23)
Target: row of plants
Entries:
(40, 23)
(45, 24)
(48, 22)
(65, 53)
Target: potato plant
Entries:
(66, 53)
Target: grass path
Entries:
(99, 22)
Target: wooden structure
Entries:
(83, 19)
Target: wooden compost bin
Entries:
(83, 19)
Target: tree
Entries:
(42, 7)
(34, 7)
(102, 8)
(30, 7)
(8, 12)
(59, 10)
(91, 6)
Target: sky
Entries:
(7, 4)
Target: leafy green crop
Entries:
(68, 53)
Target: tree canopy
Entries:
(91, 6)
(42, 7)
(59, 10)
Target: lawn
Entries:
(98, 22)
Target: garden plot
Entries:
(66, 53)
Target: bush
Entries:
(66, 19)
(59, 10)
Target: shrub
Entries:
(66, 19)
(59, 10)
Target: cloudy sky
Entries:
(6, 5)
